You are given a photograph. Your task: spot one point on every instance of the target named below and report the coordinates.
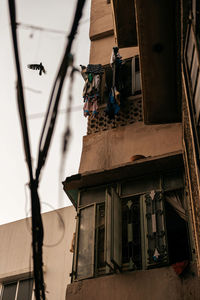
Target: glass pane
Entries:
(100, 235)
(9, 291)
(86, 243)
(92, 196)
(140, 185)
(25, 289)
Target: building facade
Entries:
(137, 190)
(16, 269)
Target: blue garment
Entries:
(112, 108)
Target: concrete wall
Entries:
(157, 284)
(16, 253)
(109, 148)
(102, 34)
(100, 51)
(101, 21)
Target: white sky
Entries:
(46, 48)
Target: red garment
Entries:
(179, 267)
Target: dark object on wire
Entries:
(39, 67)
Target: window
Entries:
(18, 290)
(130, 75)
(143, 226)
(131, 233)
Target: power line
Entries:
(32, 90)
(60, 111)
(33, 27)
(44, 144)
(39, 28)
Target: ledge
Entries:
(137, 168)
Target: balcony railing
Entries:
(131, 113)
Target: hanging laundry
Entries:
(91, 91)
(115, 99)
(112, 108)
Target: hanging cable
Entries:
(37, 226)
(50, 119)
(33, 27)
(33, 90)
(39, 28)
(60, 111)
(67, 132)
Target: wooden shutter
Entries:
(155, 239)
(85, 252)
(25, 289)
(113, 236)
(9, 291)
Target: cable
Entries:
(39, 28)
(33, 90)
(61, 221)
(60, 111)
(67, 131)
(33, 27)
(37, 226)
(50, 119)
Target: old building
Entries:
(16, 268)
(137, 190)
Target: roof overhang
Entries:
(135, 169)
(124, 23)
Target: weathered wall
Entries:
(100, 51)
(101, 21)
(102, 34)
(113, 147)
(16, 254)
(157, 284)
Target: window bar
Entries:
(133, 75)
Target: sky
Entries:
(34, 47)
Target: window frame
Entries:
(167, 181)
(17, 282)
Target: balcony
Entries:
(131, 113)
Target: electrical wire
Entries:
(50, 119)
(67, 132)
(60, 219)
(33, 90)
(60, 111)
(37, 226)
(40, 28)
